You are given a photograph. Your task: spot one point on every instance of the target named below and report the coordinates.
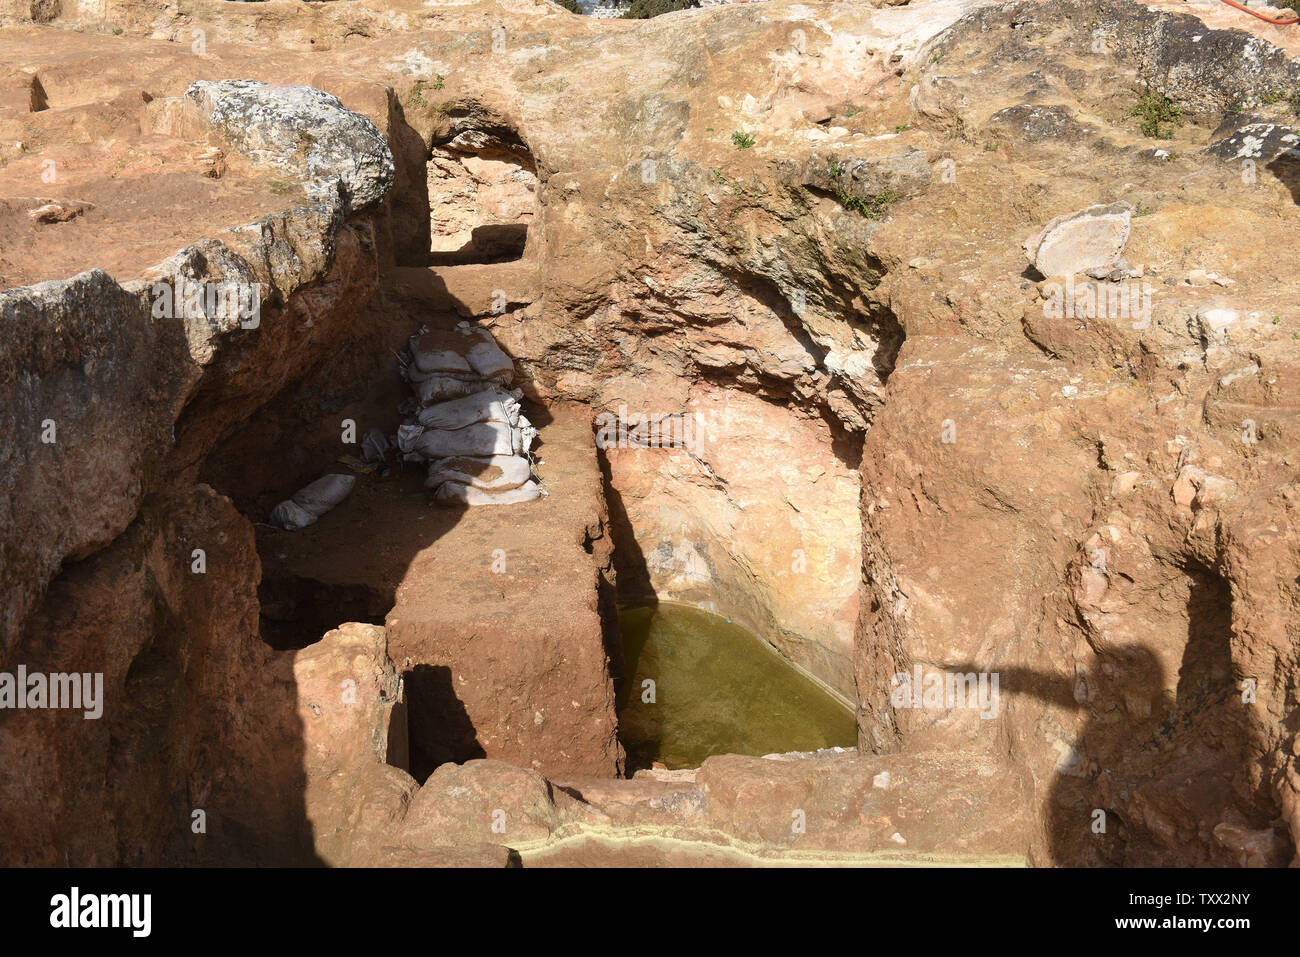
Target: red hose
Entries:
(1295, 18)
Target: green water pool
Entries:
(717, 690)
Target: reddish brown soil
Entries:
(139, 218)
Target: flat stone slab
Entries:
(1091, 238)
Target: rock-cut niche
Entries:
(482, 197)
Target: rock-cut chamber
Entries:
(696, 685)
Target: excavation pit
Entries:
(493, 614)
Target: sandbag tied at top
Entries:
(491, 474)
(453, 493)
(312, 501)
(467, 425)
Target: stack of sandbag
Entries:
(467, 426)
(311, 502)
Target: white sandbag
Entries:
(291, 516)
(312, 501)
(443, 360)
(439, 387)
(492, 474)
(324, 493)
(480, 439)
(453, 493)
(490, 362)
(430, 356)
(486, 406)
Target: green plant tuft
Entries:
(1154, 109)
(872, 207)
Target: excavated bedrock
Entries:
(754, 307)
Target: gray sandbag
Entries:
(443, 360)
(291, 516)
(492, 474)
(480, 439)
(486, 406)
(312, 501)
(453, 493)
(489, 361)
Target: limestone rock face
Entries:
(1103, 497)
(88, 405)
(303, 131)
(353, 713)
(751, 519)
(116, 561)
(1264, 142)
(198, 754)
(481, 802)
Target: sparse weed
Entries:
(872, 207)
(1154, 108)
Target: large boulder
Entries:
(304, 132)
